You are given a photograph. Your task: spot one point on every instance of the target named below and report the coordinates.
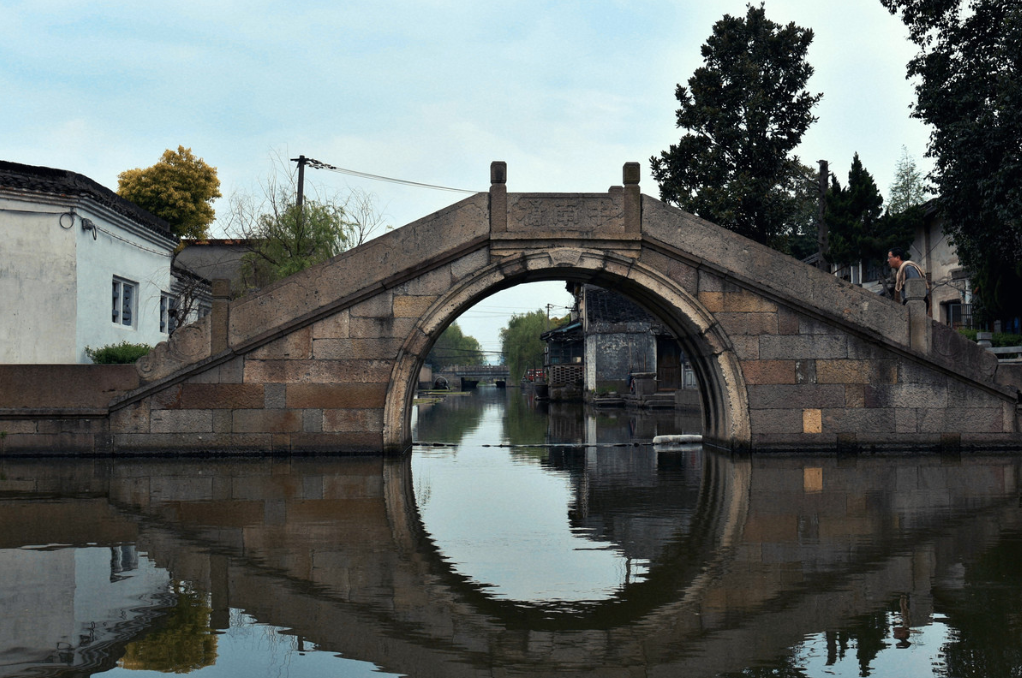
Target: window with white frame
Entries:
(168, 313)
(125, 302)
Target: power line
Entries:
(316, 164)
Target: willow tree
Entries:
(520, 342)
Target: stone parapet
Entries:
(327, 360)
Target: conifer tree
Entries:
(859, 229)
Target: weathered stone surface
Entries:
(797, 397)
(266, 421)
(590, 213)
(789, 356)
(748, 323)
(353, 420)
(76, 426)
(72, 386)
(812, 421)
(962, 395)
(232, 371)
(906, 420)
(176, 443)
(906, 395)
(376, 328)
(746, 347)
(859, 420)
(713, 301)
(787, 320)
(49, 443)
(337, 443)
(317, 371)
(432, 283)
(181, 421)
(312, 421)
(843, 371)
(296, 346)
(769, 371)
(223, 421)
(208, 396)
(275, 396)
(808, 325)
(680, 272)
(973, 420)
(11, 427)
(802, 347)
(465, 266)
(332, 327)
(356, 349)
(336, 396)
(743, 301)
(855, 395)
(131, 419)
(412, 307)
(188, 345)
(379, 306)
(805, 372)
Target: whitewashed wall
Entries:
(55, 279)
(127, 251)
(38, 277)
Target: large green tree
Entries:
(179, 189)
(520, 342)
(455, 348)
(745, 111)
(969, 91)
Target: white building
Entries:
(79, 267)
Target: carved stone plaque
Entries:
(586, 213)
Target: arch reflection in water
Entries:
(776, 563)
(547, 524)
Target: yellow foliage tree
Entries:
(180, 189)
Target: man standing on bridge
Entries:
(905, 269)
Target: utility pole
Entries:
(822, 233)
(300, 198)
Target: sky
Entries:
(432, 91)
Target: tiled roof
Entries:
(62, 182)
(607, 306)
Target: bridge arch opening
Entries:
(725, 419)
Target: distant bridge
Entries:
(787, 356)
(478, 371)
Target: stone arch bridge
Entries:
(327, 360)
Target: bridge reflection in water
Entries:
(737, 560)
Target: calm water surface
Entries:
(518, 539)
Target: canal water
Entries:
(518, 539)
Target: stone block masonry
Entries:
(326, 361)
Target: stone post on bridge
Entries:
(498, 196)
(220, 320)
(633, 199)
(918, 320)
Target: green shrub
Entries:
(998, 339)
(1006, 339)
(117, 354)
